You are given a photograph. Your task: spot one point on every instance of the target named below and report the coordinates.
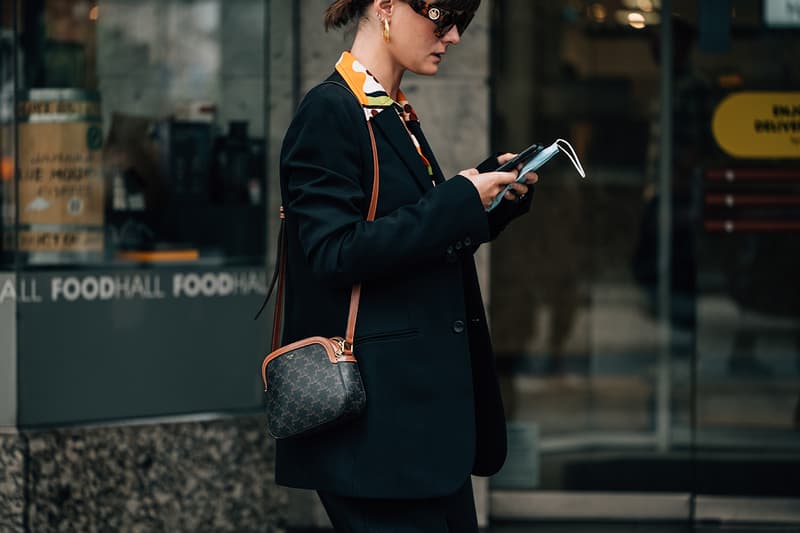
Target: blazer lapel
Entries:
(438, 176)
(392, 127)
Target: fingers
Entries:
(505, 157)
(501, 178)
(519, 189)
(490, 184)
(531, 178)
(516, 192)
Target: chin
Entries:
(428, 69)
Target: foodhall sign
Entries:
(69, 288)
(759, 125)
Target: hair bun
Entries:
(340, 12)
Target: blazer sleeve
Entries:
(323, 171)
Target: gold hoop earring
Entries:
(386, 36)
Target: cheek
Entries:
(424, 42)
(415, 46)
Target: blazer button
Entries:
(449, 250)
(458, 326)
(467, 241)
(459, 245)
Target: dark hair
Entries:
(461, 5)
(340, 12)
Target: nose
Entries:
(452, 36)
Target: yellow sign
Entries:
(759, 125)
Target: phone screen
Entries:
(522, 157)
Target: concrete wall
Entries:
(454, 111)
(453, 106)
(281, 98)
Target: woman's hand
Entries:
(489, 184)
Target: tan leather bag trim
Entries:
(355, 295)
(330, 346)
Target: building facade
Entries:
(644, 318)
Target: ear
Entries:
(384, 7)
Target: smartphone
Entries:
(522, 157)
(535, 159)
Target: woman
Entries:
(434, 413)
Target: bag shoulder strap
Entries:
(279, 274)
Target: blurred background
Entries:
(645, 320)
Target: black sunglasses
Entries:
(443, 17)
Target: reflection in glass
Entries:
(604, 390)
(8, 48)
(141, 130)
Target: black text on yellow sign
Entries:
(759, 125)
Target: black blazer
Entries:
(434, 413)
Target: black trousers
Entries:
(448, 514)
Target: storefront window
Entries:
(140, 128)
(747, 241)
(134, 191)
(8, 49)
(629, 365)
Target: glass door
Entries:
(629, 385)
(748, 316)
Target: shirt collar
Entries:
(370, 93)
